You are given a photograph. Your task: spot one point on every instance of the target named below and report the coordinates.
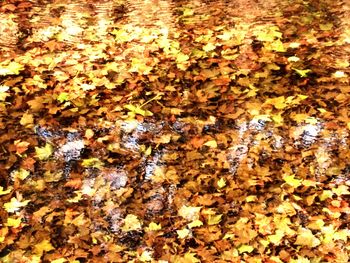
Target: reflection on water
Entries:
(77, 21)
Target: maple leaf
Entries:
(12, 68)
(21, 146)
(20, 174)
(211, 144)
(302, 72)
(42, 247)
(4, 192)
(13, 222)
(195, 223)
(146, 256)
(183, 233)
(245, 248)
(214, 219)
(27, 119)
(15, 205)
(131, 222)
(290, 179)
(221, 183)
(189, 258)
(306, 238)
(43, 153)
(190, 212)
(154, 226)
(92, 162)
(3, 92)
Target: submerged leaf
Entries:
(43, 153)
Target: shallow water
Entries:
(144, 108)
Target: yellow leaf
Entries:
(302, 72)
(289, 179)
(195, 223)
(326, 194)
(27, 119)
(306, 238)
(251, 198)
(211, 144)
(300, 260)
(89, 133)
(190, 212)
(4, 192)
(14, 205)
(183, 233)
(13, 222)
(209, 47)
(13, 68)
(214, 219)
(277, 237)
(3, 92)
(245, 248)
(221, 183)
(341, 190)
(181, 57)
(42, 247)
(278, 103)
(146, 256)
(20, 174)
(154, 226)
(190, 258)
(92, 162)
(131, 222)
(45, 152)
(59, 260)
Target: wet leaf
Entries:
(92, 162)
(4, 192)
(211, 144)
(214, 219)
(183, 233)
(195, 223)
(15, 205)
(190, 213)
(3, 92)
(13, 222)
(306, 238)
(154, 226)
(27, 119)
(131, 222)
(43, 246)
(146, 256)
(290, 179)
(302, 72)
(221, 183)
(44, 153)
(245, 249)
(20, 174)
(11, 68)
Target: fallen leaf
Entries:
(15, 205)
(131, 222)
(44, 153)
(306, 238)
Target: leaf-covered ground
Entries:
(218, 132)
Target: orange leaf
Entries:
(197, 142)
(74, 183)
